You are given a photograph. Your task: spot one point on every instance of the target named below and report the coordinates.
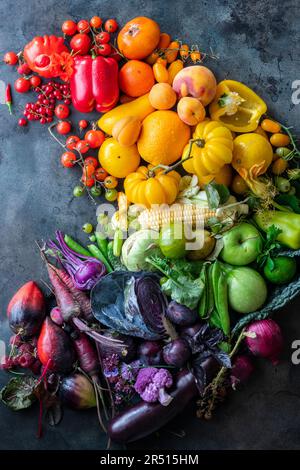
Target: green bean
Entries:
(96, 252)
(73, 245)
(102, 242)
(118, 243)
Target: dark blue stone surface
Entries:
(258, 44)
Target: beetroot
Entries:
(26, 310)
(54, 348)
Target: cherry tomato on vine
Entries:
(24, 69)
(96, 22)
(82, 146)
(111, 195)
(96, 191)
(72, 141)
(88, 181)
(100, 174)
(88, 170)
(35, 81)
(80, 43)
(69, 27)
(102, 38)
(195, 56)
(103, 49)
(83, 26)
(94, 138)
(61, 111)
(83, 123)
(22, 85)
(91, 161)
(22, 122)
(111, 25)
(110, 182)
(78, 191)
(10, 58)
(68, 159)
(63, 127)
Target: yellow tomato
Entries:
(118, 161)
(223, 177)
(252, 151)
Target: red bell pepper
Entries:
(94, 83)
(48, 56)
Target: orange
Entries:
(162, 96)
(163, 137)
(138, 38)
(136, 78)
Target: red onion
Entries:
(264, 338)
(242, 368)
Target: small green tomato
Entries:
(282, 184)
(96, 191)
(78, 191)
(111, 195)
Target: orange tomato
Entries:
(172, 52)
(136, 78)
(160, 73)
(138, 38)
(239, 185)
(152, 58)
(195, 56)
(161, 61)
(279, 140)
(270, 126)
(279, 166)
(259, 130)
(184, 51)
(110, 182)
(164, 41)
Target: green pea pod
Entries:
(222, 303)
(73, 245)
(102, 242)
(210, 292)
(214, 319)
(202, 309)
(99, 255)
(118, 242)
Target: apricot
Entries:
(190, 110)
(162, 96)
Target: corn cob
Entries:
(191, 214)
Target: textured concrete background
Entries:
(258, 43)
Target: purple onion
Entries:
(264, 339)
(242, 368)
(180, 314)
(177, 352)
(85, 271)
(150, 353)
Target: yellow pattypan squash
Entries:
(211, 148)
(118, 160)
(147, 186)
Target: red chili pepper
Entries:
(8, 99)
(94, 83)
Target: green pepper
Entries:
(288, 222)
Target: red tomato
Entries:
(35, 81)
(72, 141)
(94, 138)
(91, 161)
(82, 146)
(96, 22)
(103, 49)
(68, 159)
(102, 38)
(22, 85)
(83, 123)
(61, 111)
(83, 26)
(24, 69)
(80, 43)
(69, 27)
(88, 181)
(111, 25)
(100, 174)
(115, 55)
(63, 127)
(10, 58)
(88, 170)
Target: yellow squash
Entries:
(118, 160)
(139, 108)
(211, 149)
(148, 187)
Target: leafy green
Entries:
(270, 246)
(289, 200)
(180, 284)
(217, 194)
(19, 393)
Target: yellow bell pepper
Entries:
(238, 107)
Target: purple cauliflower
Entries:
(151, 384)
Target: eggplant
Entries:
(26, 310)
(144, 418)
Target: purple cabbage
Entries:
(85, 271)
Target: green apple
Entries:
(247, 290)
(172, 241)
(206, 248)
(242, 245)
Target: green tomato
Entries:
(172, 241)
(87, 228)
(111, 195)
(247, 290)
(282, 184)
(282, 151)
(96, 191)
(280, 270)
(78, 191)
(92, 238)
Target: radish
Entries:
(26, 310)
(54, 348)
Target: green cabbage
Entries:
(137, 247)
